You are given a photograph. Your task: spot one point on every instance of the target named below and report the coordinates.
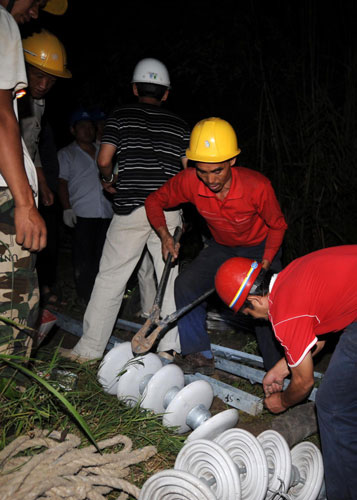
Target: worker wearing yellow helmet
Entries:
(244, 218)
(46, 61)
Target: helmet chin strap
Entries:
(10, 5)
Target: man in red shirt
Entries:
(244, 217)
(314, 295)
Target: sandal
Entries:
(52, 299)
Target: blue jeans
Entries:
(196, 279)
(336, 403)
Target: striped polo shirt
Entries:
(150, 144)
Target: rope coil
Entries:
(63, 470)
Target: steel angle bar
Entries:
(238, 356)
(252, 374)
(69, 324)
(230, 395)
(229, 354)
(226, 359)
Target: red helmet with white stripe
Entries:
(235, 280)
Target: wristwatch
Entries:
(107, 179)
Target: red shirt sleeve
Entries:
(297, 336)
(269, 209)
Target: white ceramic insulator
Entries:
(168, 377)
(112, 365)
(175, 485)
(278, 457)
(307, 459)
(128, 387)
(209, 462)
(215, 425)
(250, 460)
(197, 393)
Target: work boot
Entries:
(195, 363)
(169, 355)
(69, 354)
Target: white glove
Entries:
(69, 217)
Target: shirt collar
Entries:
(235, 191)
(272, 281)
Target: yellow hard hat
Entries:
(57, 7)
(44, 51)
(212, 140)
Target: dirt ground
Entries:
(220, 333)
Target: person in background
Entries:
(98, 117)
(23, 230)
(46, 61)
(86, 208)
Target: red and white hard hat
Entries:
(235, 279)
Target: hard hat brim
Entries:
(60, 74)
(56, 7)
(208, 159)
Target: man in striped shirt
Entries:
(147, 145)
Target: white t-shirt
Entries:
(13, 77)
(85, 190)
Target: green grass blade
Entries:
(58, 395)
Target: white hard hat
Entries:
(151, 71)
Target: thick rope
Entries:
(64, 471)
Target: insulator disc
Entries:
(112, 365)
(175, 485)
(129, 382)
(194, 394)
(278, 457)
(153, 396)
(215, 425)
(248, 455)
(209, 462)
(307, 458)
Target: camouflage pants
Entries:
(19, 293)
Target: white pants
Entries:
(146, 281)
(126, 238)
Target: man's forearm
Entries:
(104, 160)
(295, 394)
(11, 161)
(273, 243)
(163, 232)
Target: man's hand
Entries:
(69, 217)
(168, 246)
(30, 228)
(46, 195)
(302, 381)
(265, 264)
(110, 186)
(274, 403)
(274, 379)
(167, 243)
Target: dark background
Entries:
(283, 73)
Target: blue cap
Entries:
(80, 115)
(98, 114)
